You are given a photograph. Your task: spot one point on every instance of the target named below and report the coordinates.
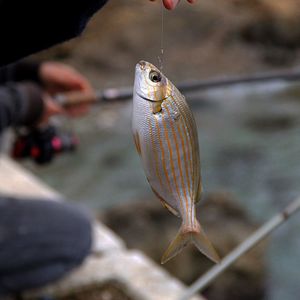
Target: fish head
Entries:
(150, 83)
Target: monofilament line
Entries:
(160, 57)
(249, 243)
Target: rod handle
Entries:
(75, 98)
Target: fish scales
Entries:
(166, 138)
(163, 157)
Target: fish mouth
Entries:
(142, 64)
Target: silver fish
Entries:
(166, 139)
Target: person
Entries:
(40, 241)
(171, 4)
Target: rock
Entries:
(123, 275)
(108, 291)
(148, 227)
(271, 123)
(274, 23)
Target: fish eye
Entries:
(154, 76)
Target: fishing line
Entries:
(160, 57)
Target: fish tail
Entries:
(186, 236)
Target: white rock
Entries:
(132, 270)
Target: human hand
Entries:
(171, 4)
(51, 108)
(60, 78)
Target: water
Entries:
(249, 142)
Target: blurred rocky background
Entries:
(207, 39)
(148, 227)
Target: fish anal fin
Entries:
(170, 208)
(165, 204)
(186, 236)
(199, 191)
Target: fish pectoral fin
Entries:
(184, 237)
(156, 107)
(165, 203)
(137, 143)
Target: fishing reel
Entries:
(43, 144)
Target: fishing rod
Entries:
(125, 93)
(244, 247)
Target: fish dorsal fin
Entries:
(166, 204)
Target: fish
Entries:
(165, 135)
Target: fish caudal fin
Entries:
(204, 245)
(185, 237)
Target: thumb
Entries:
(170, 4)
(50, 109)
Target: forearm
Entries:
(20, 104)
(37, 25)
(63, 230)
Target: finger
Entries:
(84, 85)
(72, 84)
(74, 80)
(71, 81)
(58, 77)
(52, 108)
(170, 4)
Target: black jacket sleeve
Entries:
(21, 71)
(29, 26)
(20, 104)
